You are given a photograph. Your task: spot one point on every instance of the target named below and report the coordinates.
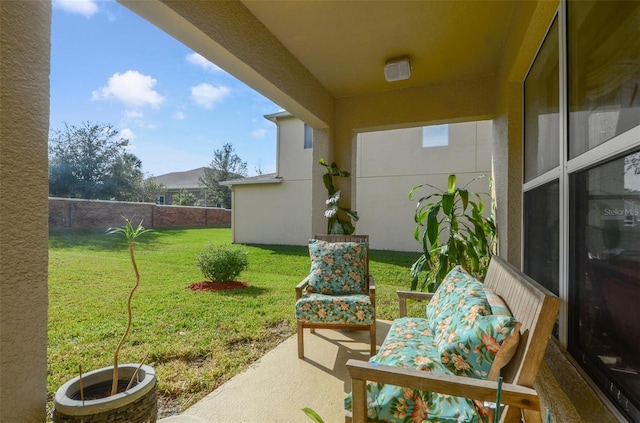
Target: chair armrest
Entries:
(461, 386)
(403, 296)
(300, 287)
(372, 290)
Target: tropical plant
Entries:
(311, 413)
(131, 233)
(339, 218)
(222, 263)
(452, 229)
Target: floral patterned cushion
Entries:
(337, 267)
(341, 309)
(409, 344)
(469, 349)
(459, 294)
(394, 404)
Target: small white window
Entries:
(435, 136)
(308, 137)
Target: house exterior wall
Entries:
(272, 213)
(278, 213)
(390, 163)
(25, 36)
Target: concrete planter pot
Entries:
(137, 405)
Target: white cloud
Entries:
(128, 134)
(132, 88)
(86, 8)
(133, 114)
(206, 95)
(179, 116)
(201, 62)
(259, 133)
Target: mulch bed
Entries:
(217, 286)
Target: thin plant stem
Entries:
(496, 418)
(133, 376)
(114, 384)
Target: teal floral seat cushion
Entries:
(460, 295)
(341, 309)
(337, 268)
(409, 344)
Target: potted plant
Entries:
(121, 392)
(453, 229)
(339, 218)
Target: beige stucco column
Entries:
(507, 163)
(25, 37)
(321, 150)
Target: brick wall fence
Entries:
(75, 213)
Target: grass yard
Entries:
(196, 340)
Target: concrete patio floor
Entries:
(279, 385)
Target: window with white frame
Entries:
(582, 188)
(308, 137)
(435, 136)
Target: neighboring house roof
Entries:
(267, 178)
(189, 179)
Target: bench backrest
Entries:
(535, 307)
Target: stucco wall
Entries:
(25, 34)
(391, 162)
(272, 213)
(72, 213)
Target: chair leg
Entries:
(300, 340)
(372, 332)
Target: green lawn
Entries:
(195, 340)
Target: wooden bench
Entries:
(531, 304)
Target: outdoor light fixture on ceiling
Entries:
(397, 69)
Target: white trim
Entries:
(563, 189)
(252, 181)
(607, 150)
(549, 176)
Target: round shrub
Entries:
(222, 263)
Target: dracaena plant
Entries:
(453, 228)
(339, 218)
(131, 233)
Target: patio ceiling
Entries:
(316, 58)
(345, 44)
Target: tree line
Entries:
(92, 161)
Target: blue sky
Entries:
(108, 65)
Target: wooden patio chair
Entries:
(339, 293)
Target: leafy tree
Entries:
(224, 166)
(183, 198)
(150, 190)
(91, 161)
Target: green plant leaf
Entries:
(464, 195)
(433, 225)
(312, 415)
(451, 183)
(447, 203)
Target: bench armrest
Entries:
(403, 296)
(461, 386)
